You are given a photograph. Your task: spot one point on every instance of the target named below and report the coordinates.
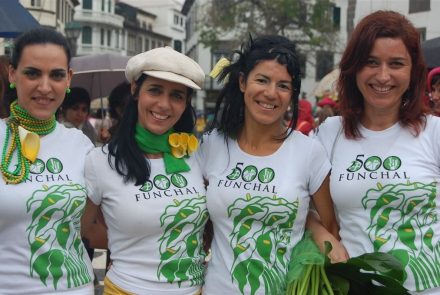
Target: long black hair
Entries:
(229, 108)
(129, 160)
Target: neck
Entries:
(260, 140)
(378, 121)
(154, 156)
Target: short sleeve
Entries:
(327, 133)
(91, 177)
(319, 166)
(202, 153)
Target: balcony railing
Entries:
(102, 17)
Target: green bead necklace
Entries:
(20, 117)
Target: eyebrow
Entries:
(282, 81)
(38, 70)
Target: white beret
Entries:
(167, 64)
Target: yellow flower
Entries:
(30, 144)
(182, 144)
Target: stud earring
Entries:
(12, 85)
(68, 90)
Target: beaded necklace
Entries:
(20, 117)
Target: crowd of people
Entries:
(364, 176)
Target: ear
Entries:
(242, 82)
(11, 74)
(133, 87)
(69, 77)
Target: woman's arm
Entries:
(93, 228)
(323, 225)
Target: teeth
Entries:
(381, 89)
(158, 116)
(267, 106)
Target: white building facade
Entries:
(102, 30)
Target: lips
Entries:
(43, 100)
(159, 116)
(381, 89)
(266, 105)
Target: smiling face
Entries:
(41, 78)
(385, 77)
(160, 104)
(267, 94)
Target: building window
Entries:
(176, 19)
(109, 7)
(117, 38)
(336, 17)
(109, 38)
(123, 39)
(87, 4)
(147, 44)
(36, 3)
(102, 36)
(325, 64)
(139, 45)
(58, 9)
(102, 5)
(419, 5)
(87, 35)
(422, 33)
(178, 45)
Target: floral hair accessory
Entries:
(219, 66)
(182, 144)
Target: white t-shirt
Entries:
(154, 230)
(258, 206)
(41, 250)
(386, 192)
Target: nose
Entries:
(384, 73)
(164, 102)
(44, 85)
(270, 91)
(435, 94)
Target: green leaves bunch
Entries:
(311, 273)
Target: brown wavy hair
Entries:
(381, 24)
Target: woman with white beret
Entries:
(148, 185)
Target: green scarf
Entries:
(155, 144)
(20, 117)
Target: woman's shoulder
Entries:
(212, 137)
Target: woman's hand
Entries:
(320, 235)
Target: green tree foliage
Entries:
(308, 22)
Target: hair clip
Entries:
(219, 66)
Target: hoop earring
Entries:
(11, 85)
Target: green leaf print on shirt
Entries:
(56, 213)
(181, 248)
(402, 216)
(262, 227)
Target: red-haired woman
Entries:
(385, 150)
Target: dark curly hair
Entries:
(229, 109)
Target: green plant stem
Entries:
(305, 281)
(316, 279)
(326, 281)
